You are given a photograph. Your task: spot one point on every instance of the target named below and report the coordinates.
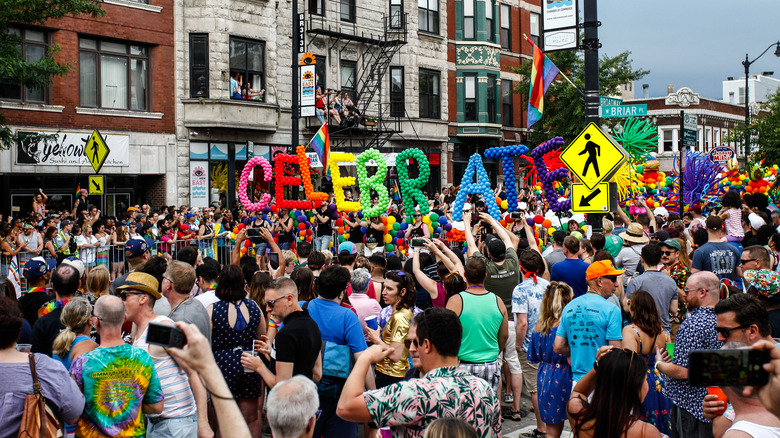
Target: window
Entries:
(536, 31)
(349, 76)
(347, 8)
(731, 97)
(491, 98)
(468, 20)
(491, 34)
(33, 48)
(707, 139)
(113, 75)
(317, 7)
(247, 69)
(741, 96)
(321, 71)
(507, 116)
(430, 97)
(428, 15)
(199, 65)
(470, 97)
(506, 33)
(668, 140)
(396, 13)
(397, 92)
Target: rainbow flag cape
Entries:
(321, 145)
(543, 71)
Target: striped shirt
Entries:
(179, 401)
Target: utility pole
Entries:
(591, 45)
(298, 22)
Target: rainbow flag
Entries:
(543, 71)
(321, 145)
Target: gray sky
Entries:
(691, 43)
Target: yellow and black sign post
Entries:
(96, 152)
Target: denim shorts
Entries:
(179, 427)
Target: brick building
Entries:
(120, 84)
(485, 39)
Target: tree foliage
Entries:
(38, 74)
(564, 106)
(764, 132)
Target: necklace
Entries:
(177, 306)
(52, 306)
(35, 289)
(474, 286)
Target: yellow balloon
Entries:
(233, 235)
(312, 219)
(426, 219)
(346, 235)
(388, 238)
(330, 245)
(390, 221)
(550, 231)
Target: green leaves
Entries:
(764, 132)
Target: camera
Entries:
(253, 232)
(165, 335)
(418, 243)
(516, 215)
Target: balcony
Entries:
(231, 113)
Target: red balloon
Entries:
(339, 222)
(247, 243)
(241, 226)
(400, 242)
(309, 232)
(538, 219)
(309, 238)
(276, 239)
(302, 226)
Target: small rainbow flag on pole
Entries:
(543, 71)
(321, 145)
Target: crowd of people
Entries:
(310, 333)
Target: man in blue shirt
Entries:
(571, 270)
(590, 321)
(342, 336)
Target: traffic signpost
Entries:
(690, 130)
(593, 157)
(96, 150)
(606, 100)
(96, 185)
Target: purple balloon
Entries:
(530, 221)
(448, 226)
(332, 207)
(246, 221)
(267, 209)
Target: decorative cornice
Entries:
(684, 97)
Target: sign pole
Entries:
(296, 42)
(682, 148)
(591, 44)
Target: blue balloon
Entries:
(404, 225)
(267, 209)
(442, 220)
(363, 230)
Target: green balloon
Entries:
(396, 226)
(389, 247)
(565, 227)
(291, 214)
(310, 213)
(434, 218)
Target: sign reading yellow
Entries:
(593, 156)
(602, 199)
(96, 185)
(96, 151)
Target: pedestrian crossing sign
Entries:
(96, 150)
(594, 156)
(96, 185)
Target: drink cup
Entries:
(714, 390)
(371, 322)
(670, 350)
(24, 348)
(253, 353)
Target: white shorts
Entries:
(509, 355)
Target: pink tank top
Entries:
(734, 223)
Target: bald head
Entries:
(111, 310)
(703, 289)
(707, 280)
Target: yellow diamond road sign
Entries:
(96, 150)
(96, 185)
(584, 200)
(593, 156)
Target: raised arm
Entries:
(427, 284)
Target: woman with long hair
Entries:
(644, 336)
(8, 248)
(553, 380)
(400, 294)
(74, 340)
(617, 386)
(49, 251)
(304, 280)
(447, 263)
(118, 239)
(236, 322)
(98, 281)
(103, 239)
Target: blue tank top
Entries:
(66, 360)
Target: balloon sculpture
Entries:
(242, 196)
(410, 188)
(375, 182)
(507, 154)
(468, 187)
(548, 178)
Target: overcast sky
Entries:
(691, 43)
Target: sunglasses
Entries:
(668, 253)
(408, 343)
(123, 295)
(272, 303)
(612, 278)
(746, 261)
(727, 331)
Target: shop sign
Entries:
(68, 149)
(199, 184)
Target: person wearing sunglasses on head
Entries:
(677, 265)
(659, 285)
(697, 332)
(590, 321)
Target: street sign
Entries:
(593, 156)
(96, 150)
(602, 199)
(721, 154)
(606, 100)
(96, 185)
(623, 110)
(690, 130)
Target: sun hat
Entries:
(766, 282)
(143, 282)
(634, 234)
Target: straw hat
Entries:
(634, 234)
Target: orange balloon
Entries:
(547, 223)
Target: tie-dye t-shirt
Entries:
(116, 382)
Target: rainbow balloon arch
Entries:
(545, 176)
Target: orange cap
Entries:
(600, 269)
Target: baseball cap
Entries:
(132, 209)
(65, 222)
(601, 268)
(76, 263)
(137, 246)
(37, 267)
(661, 211)
(496, 247)
(143, 282)
(558, 236)
(190, 215)
(756, 221)
(714, 222)
(347, 246)
(671, 243)
(660, 235)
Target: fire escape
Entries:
(376, 37)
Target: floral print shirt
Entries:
(408, 407)
(679, 274)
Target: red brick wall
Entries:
(155, 190)
(152, 29)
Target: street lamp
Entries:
(747, 64)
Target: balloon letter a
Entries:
(482, 187)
